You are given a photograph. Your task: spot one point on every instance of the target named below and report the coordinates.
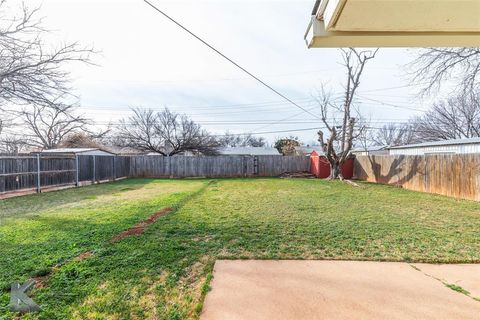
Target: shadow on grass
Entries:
(33, 246)
(133, 278)
(16, 207)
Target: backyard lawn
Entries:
(64, 238)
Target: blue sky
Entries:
(146, 61)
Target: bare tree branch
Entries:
(454, 118)
(342, 133)
(31, 73)
(12, 145)
(166, 133)
(434, 66)
(233, 140)
(48, 125)
(394, 135)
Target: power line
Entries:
(388, 88)
(390, 104)
(276, 105)
(250, 122)
(230, 60)
(218, 79)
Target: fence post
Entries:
(425, 170)
(39, 188)
(169, 166)
(76, 170)
(114, 171)
(94, 170)
(255, 165)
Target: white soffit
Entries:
(395, 23)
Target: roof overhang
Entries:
(394, 23)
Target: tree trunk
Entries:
(335, 171)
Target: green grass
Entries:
(457, 288)
(164, 273)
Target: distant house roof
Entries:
(371, 148)
(252, 151)
(307, 150)
(440, 143)
(77, 151)
(123, 150)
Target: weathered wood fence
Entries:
(216, 166)
(40, 172)
(451, 175)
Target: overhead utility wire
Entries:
(229, 60)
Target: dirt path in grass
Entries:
(140, 227)
(135, 230)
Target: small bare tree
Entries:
(393, 134)
(454, 118)
(342, 132)
(47, 125)
(233, 140)
(30, 72)
(166, 133)
(12, 144)
(433, 66)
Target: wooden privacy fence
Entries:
(216, 166)
(40, 172)
(451, 175)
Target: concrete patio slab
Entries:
(466, 276)
(284, 290)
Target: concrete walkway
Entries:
(284, 290)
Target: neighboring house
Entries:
(456, 146)
(371, 151)
(249, 151)
(307, 150)
(77, 152)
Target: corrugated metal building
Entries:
(456, 146)
(249, 151)
(371, 151)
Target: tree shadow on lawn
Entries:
(58, 239)
(19, 206)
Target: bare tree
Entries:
(31, 73)
(47, 125)
(433, 66)
(12, 144)
(454, 118)
(342, 132)
(233, 140)
(393, 135)
(166, 133)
